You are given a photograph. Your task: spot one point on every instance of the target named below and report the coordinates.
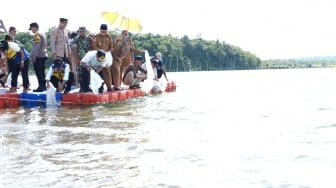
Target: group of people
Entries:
(74, 58)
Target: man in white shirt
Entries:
(96, 60)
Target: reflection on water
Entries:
(269, 128)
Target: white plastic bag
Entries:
(95, 81)
(147, 85)
(109, 58)
(156, 86)
(51, 98)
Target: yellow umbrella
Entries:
(2, 27)
(124, 22)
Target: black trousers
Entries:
(16, 69)
(39, 68)
(54, 80)
(159, 73)
(84, 84)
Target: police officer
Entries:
(59, 41)
(39, 56)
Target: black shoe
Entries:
(101, 90)
(117, 88)
(109, 89)
(39, 89)
(135, 86)
(86, 91)
(66, 91)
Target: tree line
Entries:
(181, 54)
(307, 62)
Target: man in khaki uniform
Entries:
(103, 41)
(59, 42)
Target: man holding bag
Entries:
(60, 76)
(93, 60)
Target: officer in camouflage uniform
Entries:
(81, 45)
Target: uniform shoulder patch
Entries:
(37, 38)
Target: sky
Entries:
(270, 29)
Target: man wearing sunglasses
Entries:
(93, 60)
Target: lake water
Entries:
(257, 128)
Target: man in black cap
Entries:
(60, 76)
(39, 56)
(63, 20)
(131, 76)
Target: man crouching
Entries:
(60, 76)
(131, 76)
(96, 60)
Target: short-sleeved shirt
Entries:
(90, 59)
